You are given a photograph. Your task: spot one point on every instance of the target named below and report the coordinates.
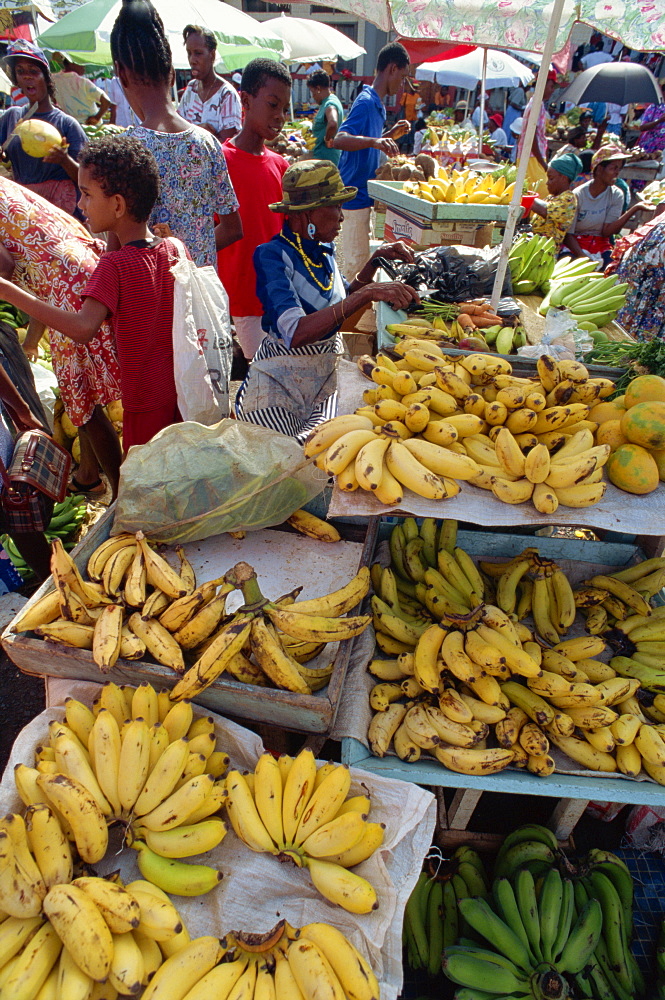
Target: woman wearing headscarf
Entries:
(291, 385)
(536, 173)
(555, 215)
(600, 207)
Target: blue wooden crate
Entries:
(558, 786)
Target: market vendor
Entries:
(292, 381)
(557, 212)
(53, 176)
(536, 173)
(600, 202)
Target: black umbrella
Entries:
(616, 82)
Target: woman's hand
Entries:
(395, 251)
(58, 154)
(395, 293)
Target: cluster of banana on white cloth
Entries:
(431, 421)
(186, 627)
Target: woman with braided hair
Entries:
(194, 180)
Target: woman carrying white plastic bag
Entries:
(202, 344)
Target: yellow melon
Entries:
(607, 410)
(644, 424)
(659, 456)
(633, 469)
(609, 432)
(37, 137)
(645, 389)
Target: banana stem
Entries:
(243, 577)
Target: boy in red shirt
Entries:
(256, 174)
(119, 184)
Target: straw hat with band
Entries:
(312, 184)
(462, 106)
(606, 153)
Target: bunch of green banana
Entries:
(295, 810)
(592, 299)
(114, 615)
(431, 918)
(531, 263)
(138, 759)
(93, 938)
(64, 524)
(529, 584)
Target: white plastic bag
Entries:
(46, 385)
(562, 338)
(202, 344)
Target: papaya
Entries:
(633, 469)
(609, 432)
(607, 410)
(645, 389)
(644, 424)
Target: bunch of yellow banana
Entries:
(181, 624)
(529, 584)
(271, 641)
(611, 599)
(293, 809)
(96, 939)
(311, 962)
(137, 758)
(467, 188)
(430, 422)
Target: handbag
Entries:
(202, 342)
(37, 475)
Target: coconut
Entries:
(37, 138)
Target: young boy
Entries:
(119, 184)
(256, 174)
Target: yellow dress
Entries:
(561, 209)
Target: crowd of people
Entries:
(90, 233)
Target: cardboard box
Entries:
(422, 233)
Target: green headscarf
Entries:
(568, 164)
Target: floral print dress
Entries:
(654, 139)
(194, 185)
(54, 257)
(643, 267)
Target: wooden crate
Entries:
(304, 713)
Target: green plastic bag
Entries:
(191, 481)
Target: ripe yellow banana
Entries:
(158, 641)
(273, 659)
(119, 909)
(159, 573)
(473, 760)
(342, 887)
(81, 812)
(244, 816)
(81, 928)
(213, 661)
(107, 634)
(105, 746)
(325, 435)
(180, 804)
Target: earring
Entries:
(311, 230)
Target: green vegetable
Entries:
(636, 357)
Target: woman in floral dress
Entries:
(47, 252)
(643, 267)
(194, 180)
(652, 128)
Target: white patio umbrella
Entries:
(500, 70)
(239, 37)
(311, 40)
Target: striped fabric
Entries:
(279, 418)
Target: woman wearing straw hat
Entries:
(291, 385)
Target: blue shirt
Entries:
(34, 169)
(286, 288)
(366, 117)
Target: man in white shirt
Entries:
(475, 117)
(121, 112)
(76, 95)
(596, 56)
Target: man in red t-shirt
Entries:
(256, 174)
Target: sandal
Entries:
(96, 488)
